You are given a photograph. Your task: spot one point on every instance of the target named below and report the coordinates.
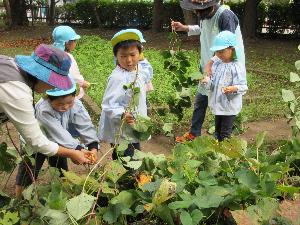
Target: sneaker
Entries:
(186, 137)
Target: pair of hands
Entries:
(84, 157)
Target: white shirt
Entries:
(16, 102)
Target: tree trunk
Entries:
(51, 13)
(18, 13)
(250, 18)
(157, 19)
(8, 19)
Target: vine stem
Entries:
(94, 167)
(22, 157)
(94, 206)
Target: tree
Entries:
(8, 18)
(250, 18)
(17, 11)
(157, 20)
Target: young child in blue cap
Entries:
(65, 38)
(127, 49)
(63, 119)
(227, 84)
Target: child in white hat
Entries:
(227, 84)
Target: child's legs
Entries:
(200, 106)
(226, 127)
(23, 178)
(59, 163)
(218, 124)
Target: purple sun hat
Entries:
(48, 64)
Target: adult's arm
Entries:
(228, 21)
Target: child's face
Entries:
(70, 45)
(226, 55)
(63, 104)
(128, 58)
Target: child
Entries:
(143, 62)
(65, 39)
(63, 118)
(127, 49)
(227, 85)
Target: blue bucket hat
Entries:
(60, 92)
(127, 34)
(224, 40)
(63, 34)
(48, 64)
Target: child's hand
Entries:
(205, 80)
(92, 155)
(85, 84)
(129, 118)
(229, 89)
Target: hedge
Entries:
(138, 13)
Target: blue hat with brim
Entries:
(63, 34)
(48, 64)
(60, 92)
(127, 34)
(224, 40)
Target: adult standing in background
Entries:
(213, 18)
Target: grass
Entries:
(268, 62)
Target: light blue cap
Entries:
(224, 40)
(60, 92)
(63, 34)
(127, 34)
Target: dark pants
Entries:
(23, 176)
(223, 126)
(128, 152)
(200, 106)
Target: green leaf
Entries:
(288, 95)
(80, 205)
(168, 127)
(27, 193)
(288, 189)
(260, 138)
(180, 204)
(112, 213)
(9, 218)
(185, 218)
(134, 164)
(298, 124)
(297, 64)
(294, 77)
(197, 216)
(247, 178)
(292, 106)
(122, 146)
(208, 201)
(56, 198)
(196, 76)
(126, 198)
(163, 212)
(115, 170)
(73, 177)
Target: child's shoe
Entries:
(186, 137)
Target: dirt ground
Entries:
(277, 129)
